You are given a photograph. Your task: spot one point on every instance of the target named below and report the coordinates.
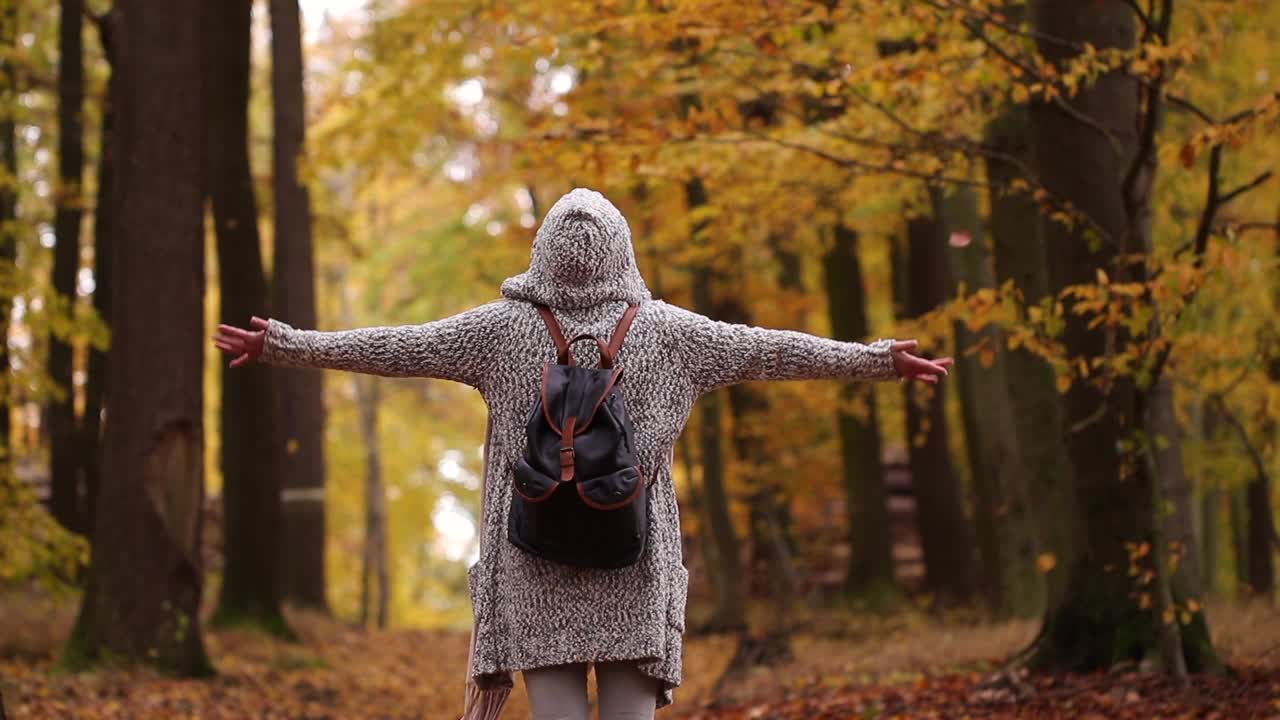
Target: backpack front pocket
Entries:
(612, 491)
(531, 484)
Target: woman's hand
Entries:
(911, 367)
(246, 345)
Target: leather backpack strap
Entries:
(606, 362)
(557, 335)
(610, 352)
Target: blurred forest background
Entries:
(1074, 199)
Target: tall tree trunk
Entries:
(866, 500)
(1020, 257)
(1262, 535)
(731, 606)
(1210, 536)
(698, 506)
(376, 581)
(1177, 494)
(1210, 533)
(301, 392)
(67, 499)
(103, 257)
(1261, 532)
(1238, 507)
(1005, 530)
(142, 602)
(770, 551)
(1097, 621)
(1262, 524)
(250, 593)
(8, 211)
(790, 277)
(945, 535)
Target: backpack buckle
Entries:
(567, 454)
(567, 457)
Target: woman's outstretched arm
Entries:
(716, 354)
(458, 348)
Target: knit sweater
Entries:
(530, 612)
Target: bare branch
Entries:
(1184, 104)
(870, 168)
(1248, 226)
(1005, 25)
(1211, 204)
(1245, 188)
(1145, 19)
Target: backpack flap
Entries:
(576, 392)
(581, 392)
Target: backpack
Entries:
(579, 491)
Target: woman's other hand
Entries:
(912, 367)
(247, 345)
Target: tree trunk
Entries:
(772, 555)
(866, 500)
(1097, 622)
(1176, 492)
(790, 282)
(945, 536)
(1261, 533)
(143, 597)
(1262, 573)
(376, 580)
(300, 391)
(1209, 519)
(67, 499)
(1020, 257)
(8, 211)
(1005, 530)
(770, 551)
(731, 606)
(1210, 534)
(250, 484)
(772, 644)
(1262, 524)
(103, 257)
(1238, 506)
(698, 506)
(1210, 538)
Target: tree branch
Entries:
(1245, 188)
(1005, 25)
(1145, 19)
(1180, 102)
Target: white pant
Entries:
(560, 693)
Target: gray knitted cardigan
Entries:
(529, 612)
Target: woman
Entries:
(546, 620)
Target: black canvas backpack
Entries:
(579, 491)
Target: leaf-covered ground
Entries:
(903, 666)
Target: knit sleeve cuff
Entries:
(282, 344)
(881, 366)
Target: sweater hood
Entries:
(582, 256)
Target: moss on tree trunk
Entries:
(1100, 624)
